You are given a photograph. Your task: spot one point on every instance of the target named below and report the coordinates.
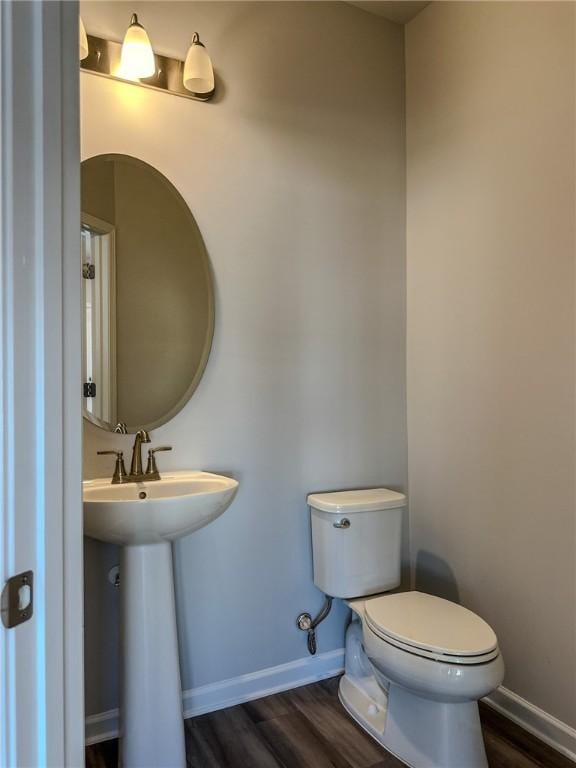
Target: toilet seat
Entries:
(430, 627)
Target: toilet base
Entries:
(420, 732)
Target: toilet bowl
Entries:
(424, 706)
(430, 645)
(415, 664)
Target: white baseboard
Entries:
(265, 682)
(545, 727)
(227, 693)
(101, 727)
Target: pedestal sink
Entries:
(144, 518)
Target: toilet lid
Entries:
(347, 502)
(430, 623)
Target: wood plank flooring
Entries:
(307, 728)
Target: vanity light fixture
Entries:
(134, 61)
(83, 40)
(137, 58)
(198, 72)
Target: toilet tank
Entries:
(356, 541)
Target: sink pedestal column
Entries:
(152, 725)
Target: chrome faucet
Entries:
(136, 472)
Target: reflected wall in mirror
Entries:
(148, 299)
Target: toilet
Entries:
(416, 665)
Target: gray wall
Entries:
(295, 175)
(490, 247)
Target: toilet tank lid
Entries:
(367, 500)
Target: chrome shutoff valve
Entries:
(306, 623)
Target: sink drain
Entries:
(142, 495)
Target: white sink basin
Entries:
(155, 511)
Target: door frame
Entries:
(41, 661)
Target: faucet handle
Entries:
(119, 475)
(152, 467)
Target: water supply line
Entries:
(306, 623)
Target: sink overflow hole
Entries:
(142, 494)
(114, 576)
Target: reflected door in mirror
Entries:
(99, 312)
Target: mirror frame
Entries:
(207, 268)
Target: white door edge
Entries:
(41, 669)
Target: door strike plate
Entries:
(17, 602)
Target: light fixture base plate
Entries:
(104, 59)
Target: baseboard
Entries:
(227, 693)
(548, 729)
(265, 682)
(101, 727)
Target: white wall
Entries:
(490, 243)
(295, 174)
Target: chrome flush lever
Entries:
(343, 523)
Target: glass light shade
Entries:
(137, 58)
(198, 71)
(83, 40)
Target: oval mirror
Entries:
(147, 296)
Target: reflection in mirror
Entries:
(148, 306)
(99, 326)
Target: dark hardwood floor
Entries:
(307, 728)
